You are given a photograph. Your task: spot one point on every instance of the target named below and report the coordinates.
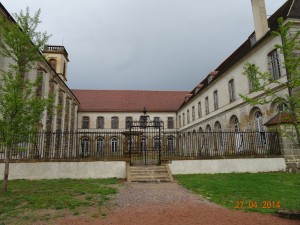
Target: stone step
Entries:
(149, 174)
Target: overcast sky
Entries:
(143, 44)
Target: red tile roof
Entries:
(280, 118)
(129, 101)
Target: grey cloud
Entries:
(143, 44)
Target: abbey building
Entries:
(213, 105)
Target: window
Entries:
(218, 126)
(156, 121)
(84, 147)
(170, 123)
(208, 128)
(273, 63)
(179, 121)
(193, 113)
(170, 144)
(144, 144)
(128, 122)
(100, 145)
(251, 72)
(115, 122)
(282, 107)
(64, 70)
(53, 63)
(156, 143)
(188, 116)
(114, 144)
(143, 121)
(219, 136)
(234, 123)
(231, 88)
(216, 100)
(206, 106)
(259, 127)
(199, 110)
(40, 88)
(100, 122)
(85, 122)
(183, 119)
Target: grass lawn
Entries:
(31, 200)
(259, 192)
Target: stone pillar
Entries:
(291, 152)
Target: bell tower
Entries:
(57, 57)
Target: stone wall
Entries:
(227, 166)
(291, 152)
(59, 170)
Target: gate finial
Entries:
(145, 111)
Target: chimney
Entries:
(260, 18)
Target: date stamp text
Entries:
(267, 204)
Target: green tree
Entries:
(263, 82)
(21, 105)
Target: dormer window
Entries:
(212, 75)
(187, 97)
(198, 88)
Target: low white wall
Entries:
(57, 170)
(227, 166)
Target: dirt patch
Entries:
(168, 203)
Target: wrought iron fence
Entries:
(69, 146)
(114, 145)
(220, 144)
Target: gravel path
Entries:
(169, 203)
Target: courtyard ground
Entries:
(168, 203)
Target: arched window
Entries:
(231, 88)
(258, 122)
(100, 145)
(200, 129)
(144, 144)
(208, 128)
(282, 107)
(234, 123)
(170, 144)
(238, 137)
(85, 146)
(156, 143)
(219, 136)
(259, 127)
(217, 126)
(53, 64)
(114, 144)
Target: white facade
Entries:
(93, 117)
(242, 110)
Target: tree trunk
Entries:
(6, 169)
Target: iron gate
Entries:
(145, 139)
